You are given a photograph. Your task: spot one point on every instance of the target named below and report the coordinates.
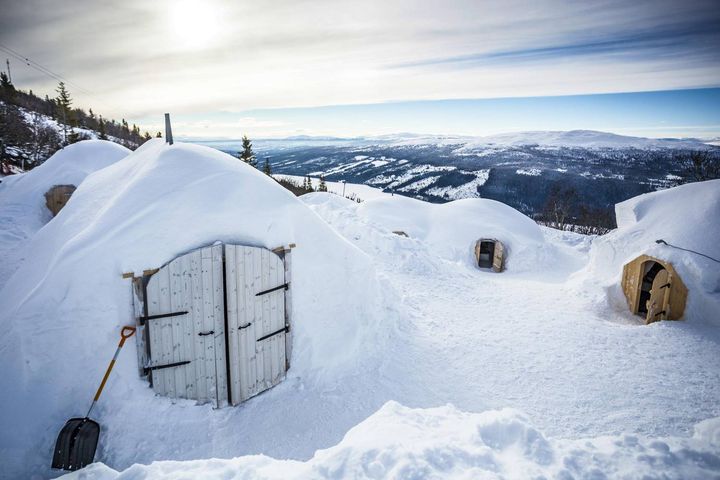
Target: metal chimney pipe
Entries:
(168, 129)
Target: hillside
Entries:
(520, 169)
(547, 371)
(33, 128)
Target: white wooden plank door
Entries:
(256, 285)
(186, 327)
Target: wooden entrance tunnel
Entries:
(490, 253)
(214, 324)
(57, 197)
(654, 289)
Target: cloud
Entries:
(143, 58)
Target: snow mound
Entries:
(687, 216)
(22, 197)
(444, 442)
(62, 311)
(68, 166)
(452, 229)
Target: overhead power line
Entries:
(44, 70)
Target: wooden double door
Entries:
(215, 324)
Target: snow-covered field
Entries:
(354, 190)
(547, 373)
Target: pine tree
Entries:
(158, 135)
(102, 135)
(307, 186)
(64, 101)
(7, 89)
(247, 155)
(266, 167)
(322, 187)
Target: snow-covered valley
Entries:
(545, 370)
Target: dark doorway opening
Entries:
(487, 253)
(647, 281)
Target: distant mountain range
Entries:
(520, 169)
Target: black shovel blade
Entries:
(76, 444)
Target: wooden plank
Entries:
(246, 305)
(231, 311)
(287, 263)
(201, 385)
(259, 319)
(498, 257)
(155, 333)
(188, 330)
(168, 343)
(178, 303)
(218, 300)
(208, 322)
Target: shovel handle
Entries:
(126, 333)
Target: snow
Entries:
(394, 180)
(444, 442)
(62, 310)
(685, 216)
(532, 172)
(581, 138)
(466, 190)
(548, 373)
(419, 184)
(22, 196)
(354, 190)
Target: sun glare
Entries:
(195, 23)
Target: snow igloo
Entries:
(661, 263)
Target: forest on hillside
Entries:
(32, 128)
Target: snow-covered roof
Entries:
(687, 216)
(22, 197)
(62, 311)
(451, 230)
(68, 166)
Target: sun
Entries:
(194, 23)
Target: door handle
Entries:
(202, 334)
(241, 327)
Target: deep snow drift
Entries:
(62, 311)
(403, 443)
(22, 197)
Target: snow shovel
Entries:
(77, 441)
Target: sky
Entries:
(349, 68)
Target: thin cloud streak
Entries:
(139, 60)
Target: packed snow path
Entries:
(537, 343)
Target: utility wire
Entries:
(688, 250)
(46, 71)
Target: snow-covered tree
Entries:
(322, 187)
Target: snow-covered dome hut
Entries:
(662, 261)
(54, 181)
(201, 233)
